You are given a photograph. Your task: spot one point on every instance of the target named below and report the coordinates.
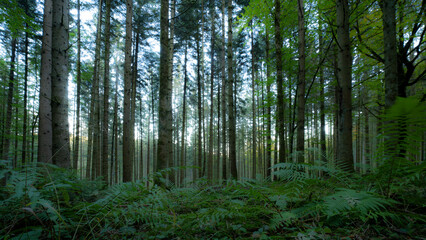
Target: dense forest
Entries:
(212, 119)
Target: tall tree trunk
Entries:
(182, 156)
(231, 117)
(45, 111)
(200, 116)
(127, 130)
(393, 142)
(93, 138)
(280, 90)
(300, 146)
(133, 105)
(344, 66)
(253, 95)
(323, 152)
(105, 117)
(96, 154)
(165, 123)
(114, 147)
(59, 102)
(15, 148)
(8, 124)
(24, 126)
(78, 101)
(366, 133)
(223, 65)
(268, 111)
(170, 63)
(212, 68)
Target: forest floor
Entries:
(52, 203)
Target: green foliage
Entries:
(48, 202)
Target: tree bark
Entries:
(253, 95)
(24, 126)
(344, 66)
(280, 90)
(223, 65)
(127, 134)
(8, 123)
(78, 100)
(45, 111)
(105, 117)
(323, 150)
(300, 146)
(231, 117)
(165, 123)
(268, 111)
(60, 125)
(212, 68)
(182, 156)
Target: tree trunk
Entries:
(105, 116)
(323, 151)
(231, 117)
(280, 90)
(114, 147)
(300, 146)
(200, 116)
(24, 126)
(344, 66)
(60, 125)
(253, 173)
(127, 130)
(268, 111)
(45, 110)
(165, 123)
(171, 34)
(223, 65)
(182, 156)
(78, 101)
(8, 124)
(133, 105)
(212, 68)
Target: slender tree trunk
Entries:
(141, 142)
(127, 131)
(268, 111)
(133, 106)
(93, 139)
(24, 126)
(212, 69)
(105, 116)
(344, 66)
(300, 148)
(33, 127)
(224, 85)
(280, 90)
(182, 156)
(8, 124)
(200, 117)
(165, 123)
(78, 101)
(171, 34)
(45, 112)
(231, 117)
(393, 142)
(366, 134)
(60, 125)
(253, 173)
(323, 151)
(114, 146)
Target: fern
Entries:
(358, 203)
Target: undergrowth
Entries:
(47, 202)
